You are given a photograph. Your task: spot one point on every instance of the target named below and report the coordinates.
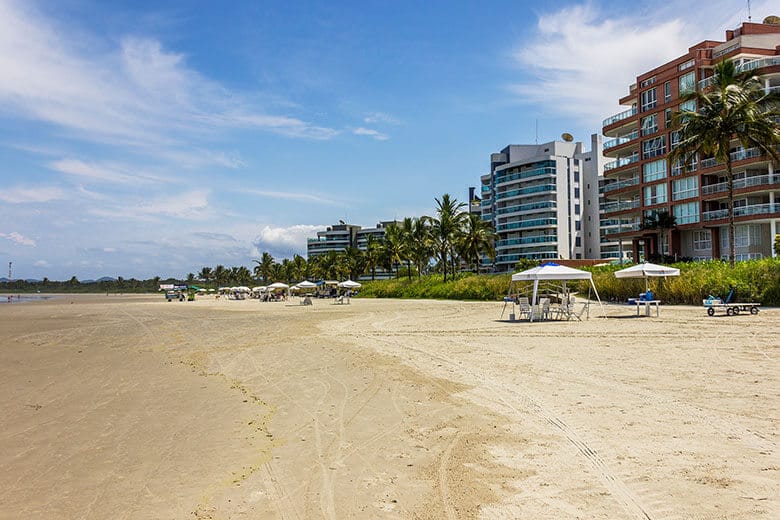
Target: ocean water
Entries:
(22, 298)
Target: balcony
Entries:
(619, 117)
(527, 240)
(742, 211)
(632, 181)
(611, 207)
(526, 191)
(527, 207)
(486, 189)
(536, 172)
(625, 228)
(623, 161)
(746, 182)
(540, 222)
(750, 65)
(504, 259)
(737, 155)
(621, 140)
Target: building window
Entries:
(687, 83)
(648, 99)
(688, 106)
(667, 91)
(702, 240)
(650, 124)
(647, 82)
(744, 236)
(577, 176)
(654, 171)
(655, 194)
(668, 118)
(685, 188)
(687, 65)
(686, 213)
(576, 209)
(654, 147)
(577, 225)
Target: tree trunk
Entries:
(730, 181)
(409, 269)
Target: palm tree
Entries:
(449, 219)
(394, 247)
(220, 275)
(478, 237)
(205, 274)
(264, 266)
(373, 254)
(421, 248)
(354, 261)
(735, 108)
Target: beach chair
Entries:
(544, 308)
(339, 300)
(524, 307)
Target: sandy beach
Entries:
(128, 407)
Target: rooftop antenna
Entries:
(537, 132)
(750, 18)
(10, 271)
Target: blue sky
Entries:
(154, 138)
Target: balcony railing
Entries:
(623, 161)
(527, 207)
(527, 240)
(610, 207)
(619, 117)
(486, 189)
(526, 191)
(737, 155)
(502, 179)
(540, 222)
(750, 65)
(633, 181)
(742, 211)
(620, 140)
(503, 259)
(624, 228)
(746, 182)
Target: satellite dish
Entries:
(566, 136)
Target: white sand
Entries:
(131, 407)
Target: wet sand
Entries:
(131, 407)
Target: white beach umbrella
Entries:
(306, 285)
(647, 270)
(260, 288)
(243, 288)
(278, 285)
(349, 284)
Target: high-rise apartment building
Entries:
(642, 190)
(339, 237)
(534, 197)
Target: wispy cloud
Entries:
(41, 263)
(218, 237)
(290, 195)
(31, 194)
(381, 117)
(582, 58)
(138, 94)
(106, 172)
(192, 205)
(18, 238)
(379, 136)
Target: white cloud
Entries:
(583, 58)
(289, 195)
(17, 238)
(192, 205)
(381, 117)
(138, 94)
(284, 242)
(106, 172)
(379, 136)
(31, 194)
(41, 263)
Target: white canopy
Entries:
(243, 289)
(259, 288)
(306, 285)
(278, 285)
(349, 284)
(647, 270)
(551, 271)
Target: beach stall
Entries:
(647, 271)
(555, 275)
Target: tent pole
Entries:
(533, 300)
(603, 312)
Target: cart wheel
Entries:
(736, 311)
(711, 312)
(754, 310)
(729, 312)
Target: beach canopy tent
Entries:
(243, 289)
(646, 271)
(550, 271)
(259, 289)
(304, 286)
(278, 285)
(349, 284)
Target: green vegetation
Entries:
(753, 280)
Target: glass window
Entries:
(653, 171)
(688, 106)
(667, 91)
(668, 117)
(648, 99)
(655, 194)
(685, 188)
(687, 83)
(654, 147)
(702, 240)
(650, 124)
(687, 65)
(674, 139)
(686, 213)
